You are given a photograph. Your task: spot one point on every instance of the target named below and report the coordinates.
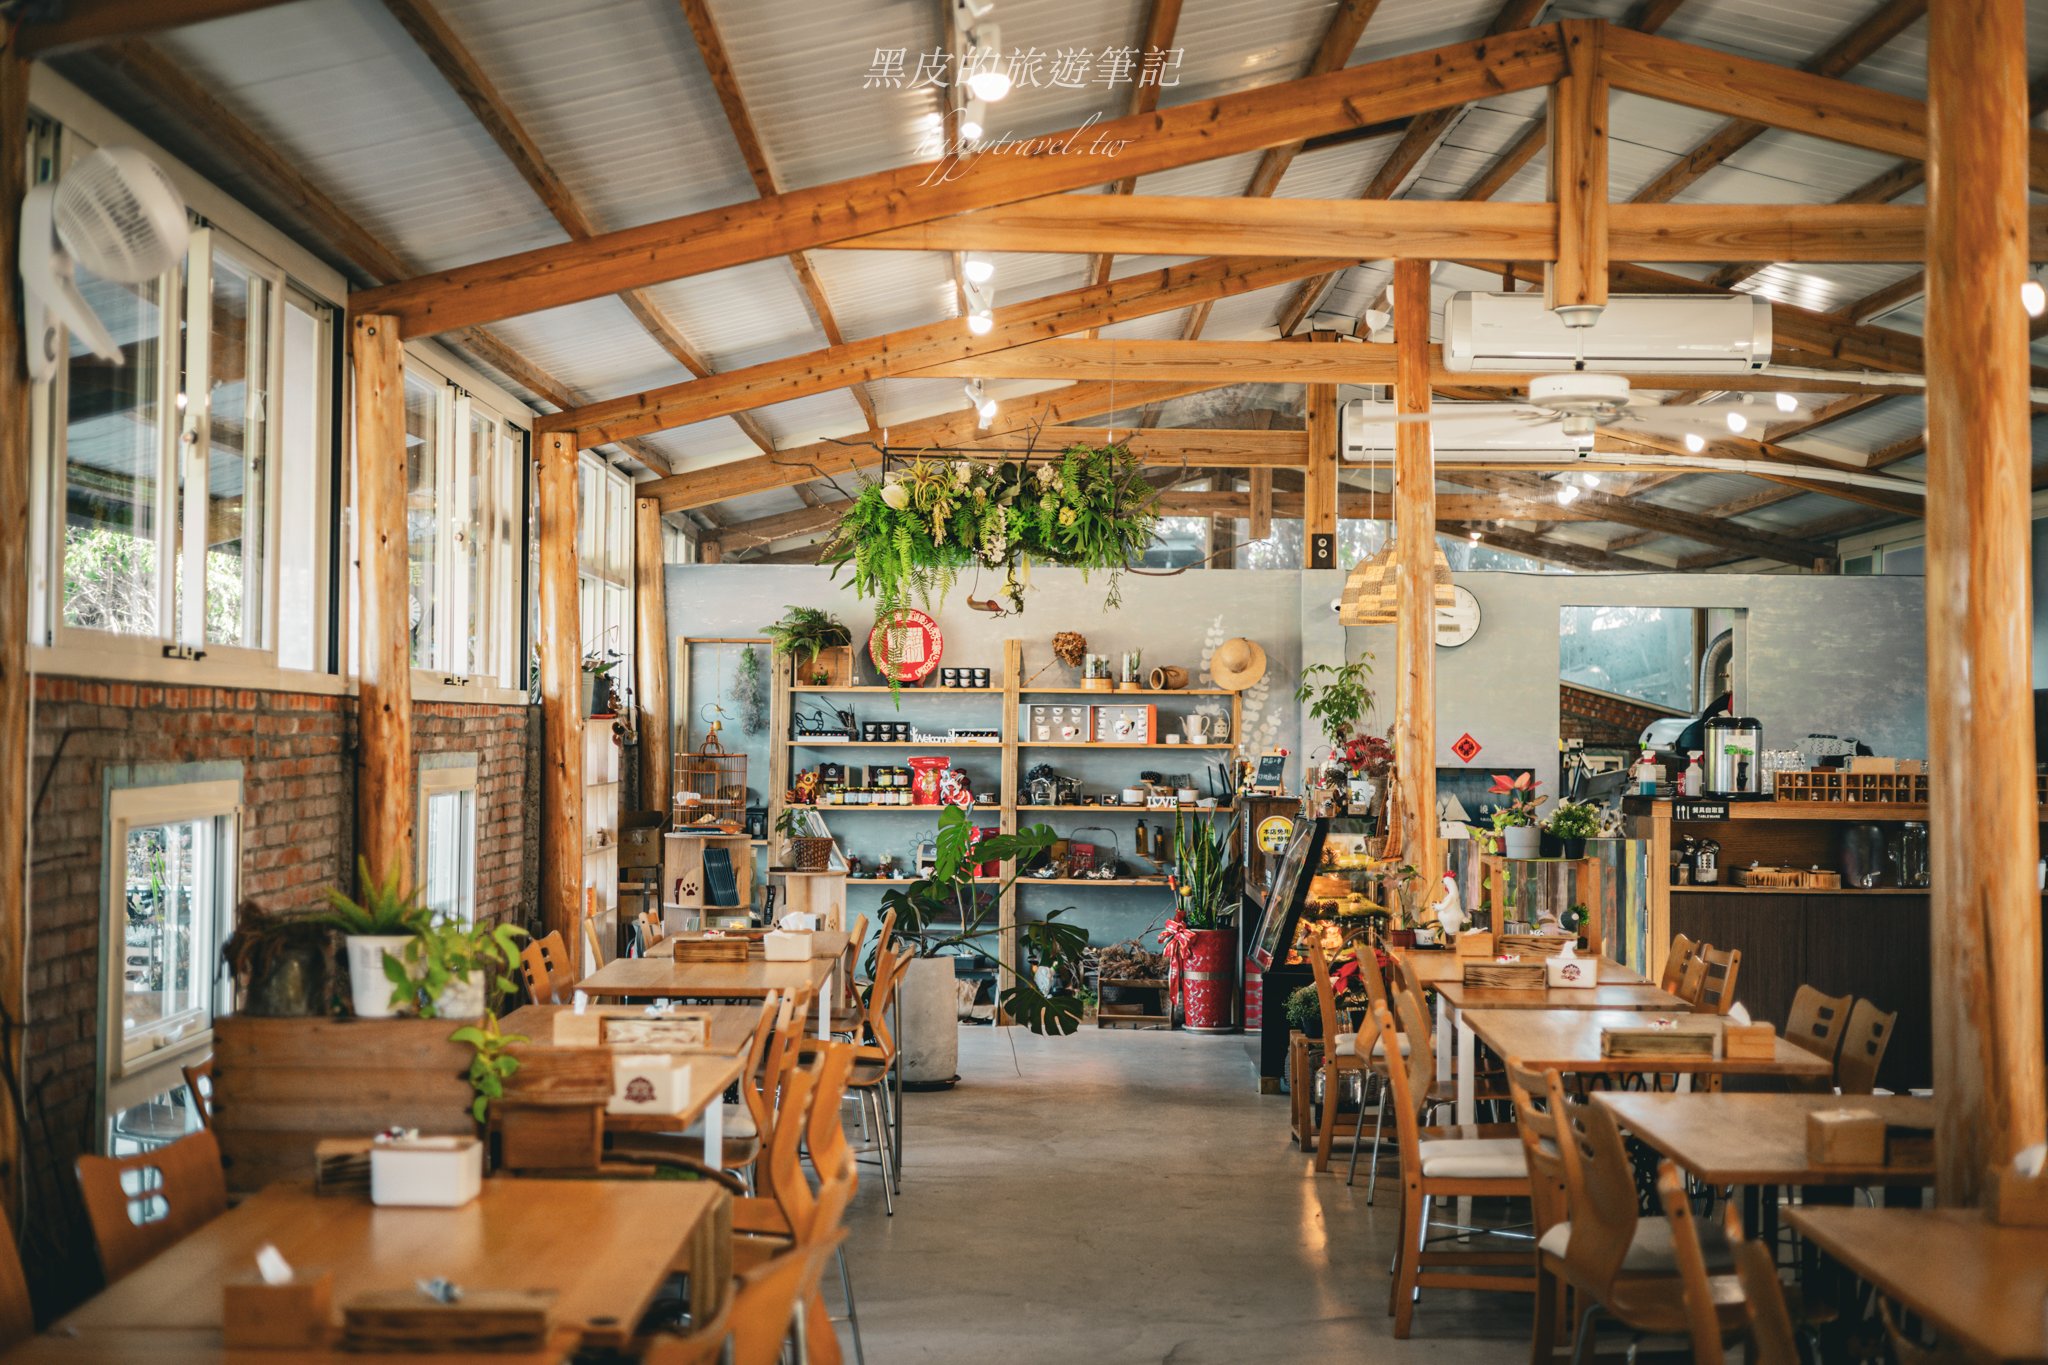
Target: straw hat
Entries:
(1237, 664)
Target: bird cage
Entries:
(711, 786)
(1372, 593)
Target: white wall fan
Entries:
(116, 213)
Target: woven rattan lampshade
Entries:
(1372, 594)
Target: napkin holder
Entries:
(2016, 1199)
(1474, 943)
(1507, 976)
(1565, 970)
(1845, 1137)
(1749, 1042)
(687, 1032)
(481, 1321)
(256, 1315)
(691, 948)
(648, 1083)
(1649, 1041)
(786, 945)
(427, 1172)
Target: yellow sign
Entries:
(1274, 832)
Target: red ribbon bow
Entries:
(1177, 942)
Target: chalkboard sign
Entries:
(1699, 810)
(1271, 775)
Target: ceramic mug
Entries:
(1197, 728)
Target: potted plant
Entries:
(1398, 888)
(1571, 824)
(1305, 1011)
(1341, 703)
(1204, 883)
(284, 966)
(491, 1064)
(454, 971)
(820, 635)
(944, 912)
(1515, 818)
(381, 924)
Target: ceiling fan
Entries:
(1582, 402)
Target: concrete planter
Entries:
(1523, 841)
(369, 989)
(931, 1022)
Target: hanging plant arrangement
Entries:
(908, 538)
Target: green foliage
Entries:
(1304, 1010)
(1574, 820)
(947, 910)
(384, 908)
(491, 1064)
(906, 541)
(1204, 874)
(746, 691)
(807, 628)
(440, 954)
(1341, 703)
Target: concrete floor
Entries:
(1123, 1196)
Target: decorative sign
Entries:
(1467, 748)
(1699, 810)
(1271, 774)
(1274, 832)
(912, 640)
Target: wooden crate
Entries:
(1534, 945)
(281, 1085)
(1635, 1041)
(1111, 1014)
(1510, 976)
(694, 948)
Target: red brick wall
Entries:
(1601, 720)
(297, 757)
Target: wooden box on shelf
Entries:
(832, 668)
(1475, 943)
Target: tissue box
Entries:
(427, 1172)
(1749, 1042)
(649, 1083)
(1571, 973)
(293, 1316)
(783, 945)
(1845, 1137)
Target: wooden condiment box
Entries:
(294, 1316)
(1531, 945)
(1845, 1137)
(1514, 976)
(1475, 943)
(1644, 1041)
(482, 1320)
(690, 948)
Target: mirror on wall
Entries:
(1631, 677)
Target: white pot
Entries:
(930, 1036)
(461, 998)
(1524, 841)
(369, 988)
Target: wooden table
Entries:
(203, 1346)
(732, 1026)
(1455, 1000)
(603, 1246)
(661, 975)
(1982, 1286)
(1434, 966)
(1569, 1040)
(1760, 1139)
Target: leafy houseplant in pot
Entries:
(945, 912)
(1201, 937)
(1571, 824)
(381, 924)
(1515, 819)
(454, 971)
(819, 645)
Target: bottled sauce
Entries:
(1695, 775)
(1645, 775)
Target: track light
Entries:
(1737, 423)
(2033, 297)
(984, 405)
(987, 79)
(980, 324)
(1567, 494)
(973, 120)
(1694, 442)
(1475, 537)
(978, 269)
(975, 302)
(1590, 479)
(1786, 403)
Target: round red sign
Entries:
(912, 641)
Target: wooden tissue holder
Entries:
(1749, 1042)
(294, 1316)
(1475, 943)
(1845, 1137)
(2016, 1201)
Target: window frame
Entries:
(446, 775)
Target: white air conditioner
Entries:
(1636, 334)
(1366, 432)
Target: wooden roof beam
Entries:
(1664, 520)
(1571, 556)
(675, 248)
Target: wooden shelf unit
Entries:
(1011, 727)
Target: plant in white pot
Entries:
(380, 924)
(948, 911)
(1515, 818)
(455, 971)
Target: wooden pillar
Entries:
(1578, 172)
(650, 654)
(1987, 911)
(1319, 480)
(560, 645)
(1415, 565)
(15, 699)
(1261, 525)
(386, 787)
(709, 551)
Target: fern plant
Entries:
(807, 628)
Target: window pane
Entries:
(156, 1122)
(237, 369)
(302, 428)
(479, 562)
(113, 451)
(1642, 652)
(167, 944)
(450, 878)
(422, 509)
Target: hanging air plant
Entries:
(909, 538)
(746, 692)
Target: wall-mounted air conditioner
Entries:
(1636, 334)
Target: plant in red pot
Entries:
(1201, 936)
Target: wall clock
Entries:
(1458, 622)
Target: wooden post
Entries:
(650, 653)
(1009, 947)
(1578, 172)
(709, 551)
(1415, 563)
(15, 699)
(1262, 505)
(560, 644)
(386, 787)
(1319, 480)
(1986, 909)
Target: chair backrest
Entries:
(1702, 1324)
(1601, 1190)
(769, 1299)
(885, 941)
(1772, 1340)
(889, 970)
(1372, 975)
(832, 1156)
(1815, 1023)
(1326, 999)
(1407, 1079)
(593, 940)
(561, 964)
(1676, 962)
(17, 1312)
(1542, 1143)
(779, 1174)
(1710, 980)
(650, 931)
(1411, 1010)
(533, 974)
(1867, 1035)
(199, 1085)
(756, 1092)
(180, 1187)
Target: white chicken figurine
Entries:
(1450, 910)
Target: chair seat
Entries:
(739, 1123)
(867, 1074)
(1347, 1045)
(1650, 1251)
(1473, 1159)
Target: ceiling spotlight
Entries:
(1737, 423)
(989, 83)
(973, 120)
(978, 269)
(2034, 298)
(980, 324)
(1786, 403)
(1590, 479)
(1567, 494)
(1475, 537)
(987, 408)
(987, 78)
(1694, 442)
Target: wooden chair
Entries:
(1675, 964)
(534, 974)
(650, 931)
(848, 1017)
(1437, 1163)
(1772, 1340)
(875, 1060)
(1543, 1150)
(593, 940)
(17, 1312)
(1710, 979)
(1815, 1023)
(199, 1085)
(1864, 1040)
(760, 1316)
(1341, 1058)
(561, 964)
(1375, 993)
(184, 1177)
(1714, 1306)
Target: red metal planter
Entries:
(1208, 984)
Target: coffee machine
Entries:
(1735, 747)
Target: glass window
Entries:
(226, 406)
(1641, 652)
(448, 841)
(303, 427)
(605, 566)
(422, 510)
